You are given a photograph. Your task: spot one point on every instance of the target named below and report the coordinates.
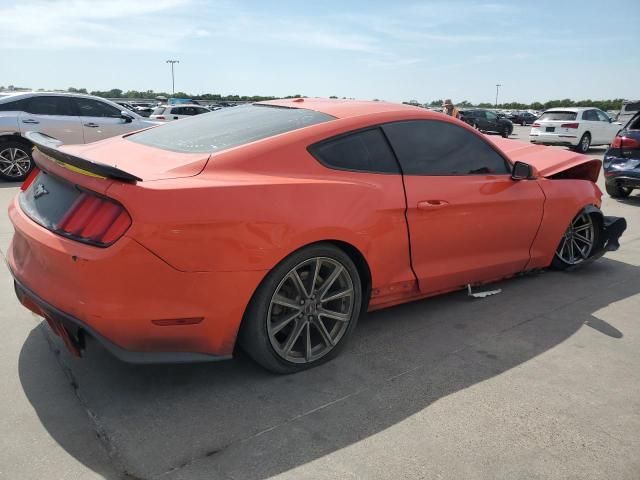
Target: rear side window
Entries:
(364, 151)
(430, 147)
(228, 128)
(48, 106)
(590, 115)
(558, 116)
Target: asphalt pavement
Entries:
(539, 381)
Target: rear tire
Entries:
(616, 191)
(585, 143)
(15, 161)
(292, 323)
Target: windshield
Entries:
(227, 128)
(558, 116)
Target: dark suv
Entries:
(622, 160)
(487, 121)
(523, 118)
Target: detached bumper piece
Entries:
(73, 331)
(612, 230)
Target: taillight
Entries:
(30, 178)
(95, 220)
(625, 142)
(570, 125)
(535, 124)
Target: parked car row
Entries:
(70, 118)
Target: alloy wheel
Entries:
(310, 310)
(577, 242)
(14, 162)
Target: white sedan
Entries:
(578, 128)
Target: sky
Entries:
(397, 51)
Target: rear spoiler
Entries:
(48, 146)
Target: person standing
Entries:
(448, 108)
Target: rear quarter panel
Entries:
(254, 205)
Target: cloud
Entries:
(89, 24)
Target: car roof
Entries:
(14, 95)
(341, 108)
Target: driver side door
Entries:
(99, 120)
(468, 220)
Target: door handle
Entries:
(30, 120)
(432, 204)
(175, 118)
(91, 124)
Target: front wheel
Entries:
(579, 242)
(15, 161)
(304, 310)
(506, 131)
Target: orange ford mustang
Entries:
(276, 225)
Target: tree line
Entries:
(605, 105)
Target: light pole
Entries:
(173, 78)
(497, 87)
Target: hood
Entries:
(144, 162)
(549, 161)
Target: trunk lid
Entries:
(119, 159)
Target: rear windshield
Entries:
(159, 111)
(558, 116)
(631, 107)
(227, 128)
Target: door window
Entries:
(590, 115)
(365, 151)
(430, 147)
(87, 107)
(49, 106)
(602, 116)
(492, 117)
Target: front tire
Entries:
(579, 242)
(585, 143)
(506, 131)
(15, 161)
(304, 310)
(616, 191)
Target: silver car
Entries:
(68, 117)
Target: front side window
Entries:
(364, 151)
(603, 117)
(492, 117)
(48, 106)
(227, 128)
(159, 111)
(431, 147)
(87, 107)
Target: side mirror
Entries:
(126, 117)
(522, 171)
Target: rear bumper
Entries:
(546, 139)
(73, 331)
(133, 302)
(622, 178)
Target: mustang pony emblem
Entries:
(40, 191)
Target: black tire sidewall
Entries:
(26, 149)
(253, 337)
